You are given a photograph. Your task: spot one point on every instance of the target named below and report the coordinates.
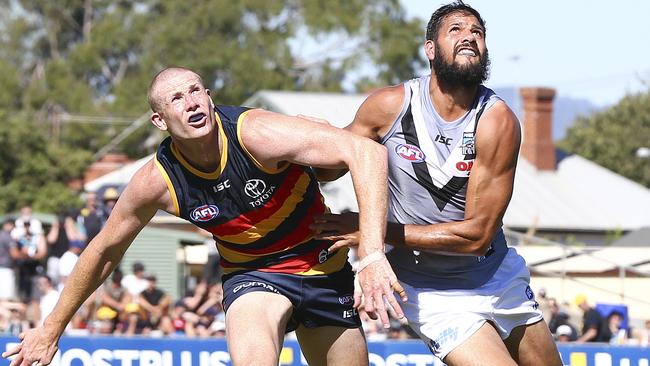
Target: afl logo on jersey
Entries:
(410, 152)
(204, 213)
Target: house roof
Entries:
(640, 237)
(337, 108)
(578, 195)
(117, 177)
(602, 260)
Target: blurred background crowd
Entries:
(36, 260)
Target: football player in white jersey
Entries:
(469, 297)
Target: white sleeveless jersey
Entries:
(429, 165)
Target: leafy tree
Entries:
(33, 171)
(62, 60)
(612, 137)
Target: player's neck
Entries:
(203, 154)
(451, 102)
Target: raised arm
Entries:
(145, 194)
(274, 139)
(488, 192)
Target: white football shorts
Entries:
(445, 319)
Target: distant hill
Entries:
(565, 109)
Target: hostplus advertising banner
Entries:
(134, 351)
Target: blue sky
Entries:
(596, 50)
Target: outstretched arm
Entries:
(141, 199)
(275, 139)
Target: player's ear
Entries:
(158, 121)
(211, 101)
(430, 49)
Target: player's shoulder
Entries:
(387, 99)
(499, 115)
(148, 185)
(382, 106)
(498, 123)
(230, 113)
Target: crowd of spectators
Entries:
(584, 323)
(34, 267)
(39, 263)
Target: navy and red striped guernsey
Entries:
(259, 217)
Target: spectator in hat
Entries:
(110, 197)
(565, 333)
(592, 321)
(135, 282)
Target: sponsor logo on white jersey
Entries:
(468, 143)
(410, 152)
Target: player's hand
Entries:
(342, 229)
(37, 346)
(378, 282)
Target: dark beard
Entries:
(455, 75)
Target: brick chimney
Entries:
(105, 165)
(537, 146)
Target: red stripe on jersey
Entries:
(298, 234)
(247, 220)
(297, 264)
(294, 265)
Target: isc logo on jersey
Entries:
(204, 213)
(410, 152)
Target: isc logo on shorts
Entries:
(350, 313)
(204, 213)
